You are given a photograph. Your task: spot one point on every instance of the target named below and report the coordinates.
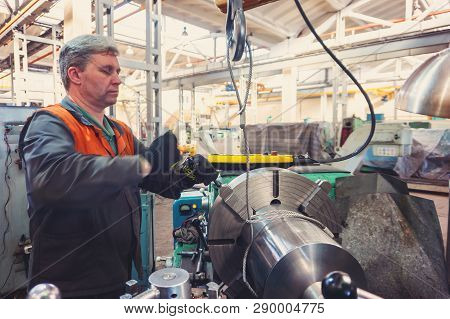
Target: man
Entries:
(82, 175)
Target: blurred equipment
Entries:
(44, 291)
(348, 126)
(314, 139)
(218, 141)
(187, 149)
(426, 91)
(390, 139)
(15, 245)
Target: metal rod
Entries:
(198, 269)
(363, 294)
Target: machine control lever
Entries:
(339, 285)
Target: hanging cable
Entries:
(241, 112)
(350, 75)
(8, 162)
(242, 104)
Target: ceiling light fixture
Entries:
(184, 33)
(129, 50)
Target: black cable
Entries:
(350, 75)
(8, 162)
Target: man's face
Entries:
(99, 81)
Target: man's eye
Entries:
(106, 71)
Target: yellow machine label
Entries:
(254, 159)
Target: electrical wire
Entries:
(350, 75)
(8, 162)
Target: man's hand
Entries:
(193, 170)
(182, 175)
(169, 174)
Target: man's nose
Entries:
(116, 79)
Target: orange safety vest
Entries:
(89, 139)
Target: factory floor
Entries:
(163, 218)
(163, 228)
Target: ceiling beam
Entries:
(369, 18)
(337, 4)
(269, 25)
(172, 62)
(324, 27)
(374, 51)
(8, 6)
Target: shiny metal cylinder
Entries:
(172, 283)
(152, 293)
(289, 235)
(289, 254)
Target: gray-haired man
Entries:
(82, 173)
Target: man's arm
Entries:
(58, 175)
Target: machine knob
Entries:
(338, 285)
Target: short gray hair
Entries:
(78, 51)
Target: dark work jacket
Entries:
(83, 205)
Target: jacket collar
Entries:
(69, 105)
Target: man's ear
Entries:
(74, 75)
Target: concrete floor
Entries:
(163, 225)
(163, 213)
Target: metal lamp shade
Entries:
(427, 90)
